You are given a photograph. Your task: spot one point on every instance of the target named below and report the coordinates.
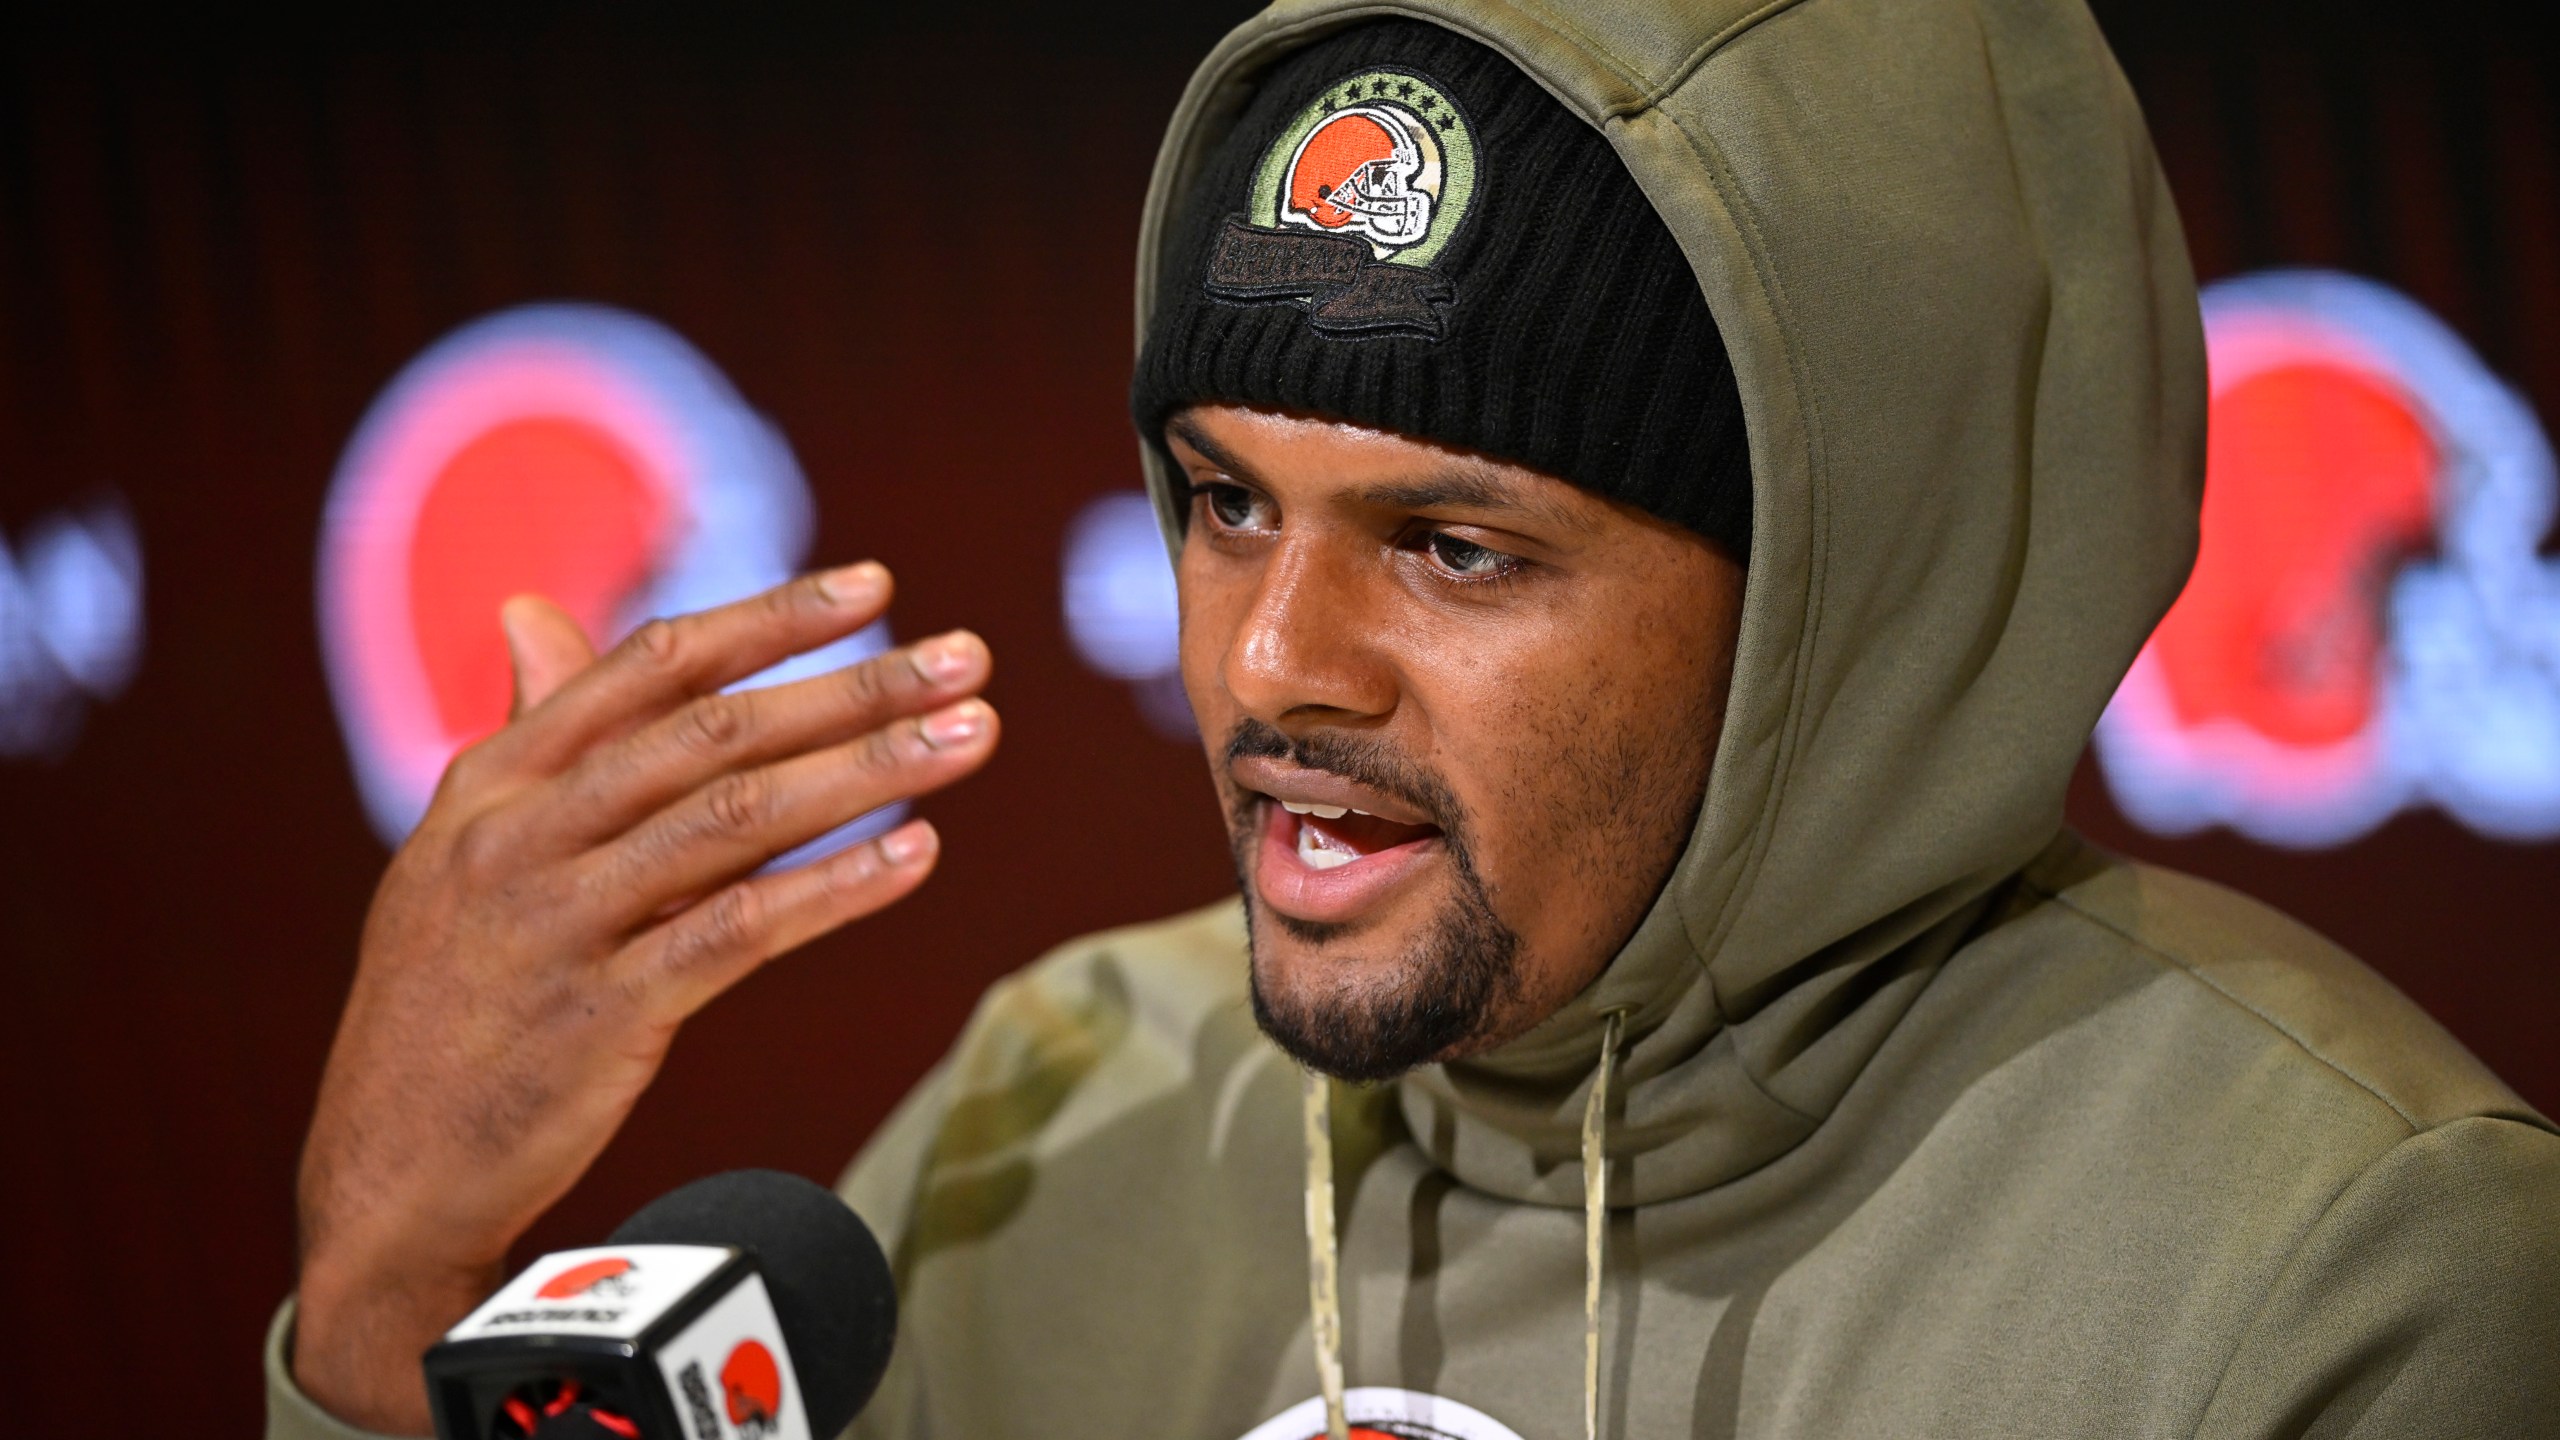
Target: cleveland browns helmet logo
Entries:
(751, 1384)
(1352, 203)
(1383, 155)
(1361, 170)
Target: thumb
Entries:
(545, 647)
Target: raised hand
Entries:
(585, 880)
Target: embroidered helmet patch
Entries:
(1384, 155)
(1354, 199)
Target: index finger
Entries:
(667, 662)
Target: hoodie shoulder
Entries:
(1133, 1009)
(1115, 1024)
(2265, 969)
(2139, 1118)
(1094, 1027)
(1109, 1130)
(2424, 1301)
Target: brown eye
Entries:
(1232, 506)
(1468, 560)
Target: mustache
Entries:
(1356, 758)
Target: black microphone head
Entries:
(830, 1284)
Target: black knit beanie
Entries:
(1405, 232)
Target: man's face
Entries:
(1460, 714)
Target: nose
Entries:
(1306, 651)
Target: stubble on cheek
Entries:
(1593, 774)
(1602, 810)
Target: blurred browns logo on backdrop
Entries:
(575, 451)
(2370, 624)
(1122, 610)
(70, 623)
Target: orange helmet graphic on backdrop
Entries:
(752, 1384)
(1361, 170)
(2371, 624)
(571, 450)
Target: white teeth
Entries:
(1321, 812)
(1320, 852)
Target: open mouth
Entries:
(1335, 863)
(1332, 836)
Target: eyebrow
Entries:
(1181, 428)
(1456, 485)
(1467, 489)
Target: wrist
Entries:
(359, 1332)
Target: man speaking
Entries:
(1661, 494)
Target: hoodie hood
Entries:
(1948, 273)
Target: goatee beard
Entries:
(1451, 988)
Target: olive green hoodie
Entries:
(1926, 1119)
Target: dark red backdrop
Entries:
(909, 243)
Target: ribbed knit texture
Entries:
(1577, 342)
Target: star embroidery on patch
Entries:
(1404, 91)
(1377, 87)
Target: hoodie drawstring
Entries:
(1324, 1293)
(1595, 1217)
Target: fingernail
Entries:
(515, 642)
(907, 843)
(956, 725)
(945, 658)
(854, 584)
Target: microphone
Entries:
(749, 1306)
